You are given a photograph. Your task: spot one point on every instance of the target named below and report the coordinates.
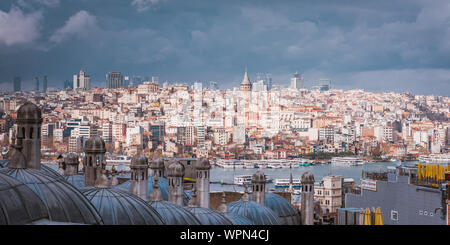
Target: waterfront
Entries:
(219, 174)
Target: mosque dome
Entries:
(163, 187)
(208, 216)
(258, 177)
(238, 220)
(71, 159)
(95, 144)
(64, 203)
(308, 178)
(202, 164)
(118, 207)
(283, 208)
(76, 180)
(19, 204)
(256, 212)
(29, 113)
(175, 169)
(46, 169)
(173, 214)
(157, 164)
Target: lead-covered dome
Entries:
(118, 207)
(256, 212)
(46, 169)
(238, 220)
(208, 216)
(258, 177)
(29, 113)
(173, 214)
(139, 161)
(76, 180)
(202, 164)
(307, 178)
(64, 203)
(71, 159)
(95, 144)
(157, 164)
(283, 208)
(19, 205)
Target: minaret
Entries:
(71, 164)
(29, 120)
(259, 187)
(94, 159)
(202, 167)
(175, 176)
(157, 166)
(307, 199)
(139, 176)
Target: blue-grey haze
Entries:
(398, 45)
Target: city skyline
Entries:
(376, 47)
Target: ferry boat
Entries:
(274, 165)
(250, 165)
(229, 164)
(286, 182)
(242, 179)
(347, 161)
(435, 158)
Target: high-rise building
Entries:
(81, 81)
(17, 84)
(297, 81)
(37, 83)
(44, 84)
(115, 80)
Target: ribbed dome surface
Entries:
(76, 180)
(95, 144)
(238, 220)
(285, 210)
(208, 216)
(257, 213)
(163, 188)
(63, 201)
(18, 203)
(173, 214)
(46, 169)
(118, 207)
(29, 112)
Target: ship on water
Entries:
(347, 161)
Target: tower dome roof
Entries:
(95, 144)
(176, 169)
(246, 80)
(29, 113)
(256, 212)
(202, 164)
(64, 203)
(258, 177)
(19, 205)
(44, 168)
(139, 161)
(208, 216)
(118, 207)
(157, 164)
(76, 180)
(307, 178)
(71, 159)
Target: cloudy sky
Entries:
(390, 45)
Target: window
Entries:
(394, 215)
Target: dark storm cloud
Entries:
(379, 46)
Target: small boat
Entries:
(243, 179)
(286, 183)
(304, 164)
(274, 165)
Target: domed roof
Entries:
(95, 144)
(259, 177)
(176, 169)
(46, 169)
(76, 180)
(202, 164)
(63, 201)
(208, 216)
(18, 203)
(238, 220)
(29, 112)
(173, 214)
(118, 207)
(256, 212)
(308, 178)
(71, 159)
(283, 208)
(163, 187)
(157, 164)
(139, 160)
